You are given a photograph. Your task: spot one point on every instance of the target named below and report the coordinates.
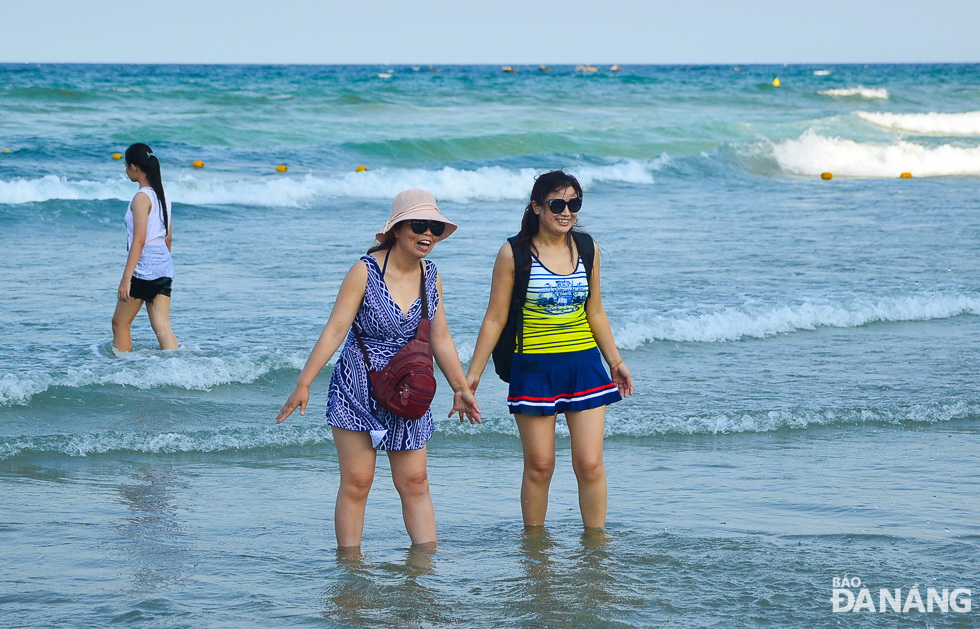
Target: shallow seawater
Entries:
(739, 530)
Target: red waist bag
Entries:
(407, 383)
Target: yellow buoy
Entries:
(5, 151)
(281, 168)
(826, 176)
(197, 163)
(775, 82)
(360, 169)
(117, 156)
(906, 175)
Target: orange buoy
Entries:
(360, 169)
(281, 168)
(197, 163)
(826, 176)
(905, 176)
(117, 156)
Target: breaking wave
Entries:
(812, 154)
(489, 183)
(857, 92)
(732, 324)
(966, 123)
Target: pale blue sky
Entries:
(501, 31)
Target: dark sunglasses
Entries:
(557, 206)
(437, 228)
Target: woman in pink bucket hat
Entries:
(381, 298)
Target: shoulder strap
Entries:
(360, 342)
(522, 275)
(425, 300)
(385, 267)
(586, 249)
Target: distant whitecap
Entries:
(966, 123)
(857, 92)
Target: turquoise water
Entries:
(804, 350)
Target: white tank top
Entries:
(156, 232)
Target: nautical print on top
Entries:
(554, 311)
(384, 329)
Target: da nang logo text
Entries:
(849, 595)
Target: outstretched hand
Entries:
(464, 402)
(621, 376)
(299, 398)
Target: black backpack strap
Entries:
(586, 249)
(522, 275)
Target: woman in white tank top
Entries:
(149, 271)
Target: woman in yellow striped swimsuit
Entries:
(562, 335)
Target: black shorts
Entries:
(148, 289)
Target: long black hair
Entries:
(543, 186)
(142, 156)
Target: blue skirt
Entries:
(548, 384)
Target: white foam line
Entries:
(301, 190)
(812, 154)
(857, 92)
(732, 324)
(952, 124)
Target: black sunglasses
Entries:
(557, 206)
(437, 228)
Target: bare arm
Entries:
(602, 331)
(498, 310)
(170, 231)
(348, 302)
(444, 351)
(141, 214)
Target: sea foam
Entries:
(226, 439)
(179, 369)
(628, 424)
(22, 190)
(759, 421)
(199, 372)
(733, 324)
(490, 183)
(966, 123)
(812, 154)
(857, 92)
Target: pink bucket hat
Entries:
(412, 204)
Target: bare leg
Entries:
(159, 312)
(408, 471)
(122, 323)
(586, 428)
(357, 459)
(538, 443)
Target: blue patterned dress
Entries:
(384, 330)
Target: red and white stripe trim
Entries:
(526, 400)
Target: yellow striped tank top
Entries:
(554, 311)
